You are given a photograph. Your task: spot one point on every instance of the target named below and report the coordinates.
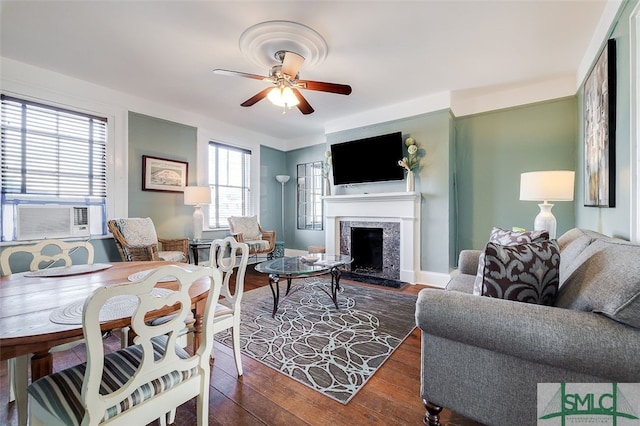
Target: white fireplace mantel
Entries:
(402, 207)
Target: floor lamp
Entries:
(282, 179)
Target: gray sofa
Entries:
(483, 357)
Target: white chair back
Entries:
(136, 384)
(230, 257)
(150, 368)
(47, 253)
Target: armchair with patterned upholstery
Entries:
(136, 239)
(246, 229)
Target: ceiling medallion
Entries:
(261, 43)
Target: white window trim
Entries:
(117, 151)
(254, 181)
(634, 38)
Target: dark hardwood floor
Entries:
(263, 396)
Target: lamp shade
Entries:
(194, 195)
(282, 178)
(552, 185)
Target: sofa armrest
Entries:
(468, 262)
(579, 341)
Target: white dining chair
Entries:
(45, 254)
(230, 257)
(132, 385)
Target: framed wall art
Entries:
(600, 131)
(162, 174)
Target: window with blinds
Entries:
(50, 156)
(229, 178)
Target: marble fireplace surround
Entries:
(390, 246)
(398, 207)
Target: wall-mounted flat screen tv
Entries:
(373, 159)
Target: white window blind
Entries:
(51, 156)
(51, 151)
(229, 178)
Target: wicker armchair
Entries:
(136, 239)
(246, 229)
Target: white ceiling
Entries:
(388, 51)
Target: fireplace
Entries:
(397, 214)
(374, 247)
(366, 250)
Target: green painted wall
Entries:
(433, 134)
(493, 149)
(164, 139)
(614, 221)
(300, 239)
(272, 163)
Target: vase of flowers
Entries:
(410, 162)
(326, 168)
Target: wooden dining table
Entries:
(27, 302)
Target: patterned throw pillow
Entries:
(247, 226)
(506, 238)
(525, 272)
(138, 231)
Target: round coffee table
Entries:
(300, 267)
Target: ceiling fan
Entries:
(287, 81)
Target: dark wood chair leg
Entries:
(432, 416)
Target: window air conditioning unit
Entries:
(52, 221)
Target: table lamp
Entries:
(552, 185)
(195, 196)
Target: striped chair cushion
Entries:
(59, 393)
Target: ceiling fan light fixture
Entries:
(283, 96)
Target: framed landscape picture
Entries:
(600, 130)
(161, 174)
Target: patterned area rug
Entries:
(333, 352)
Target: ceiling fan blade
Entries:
(240, 74)
(291, 64)
(341, 89)
(303, 106)
(257, 97)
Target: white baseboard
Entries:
(436, 279)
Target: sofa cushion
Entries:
(506, 238)
(525, 272)
(606, 280)
(461, 282)
(572, 243)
